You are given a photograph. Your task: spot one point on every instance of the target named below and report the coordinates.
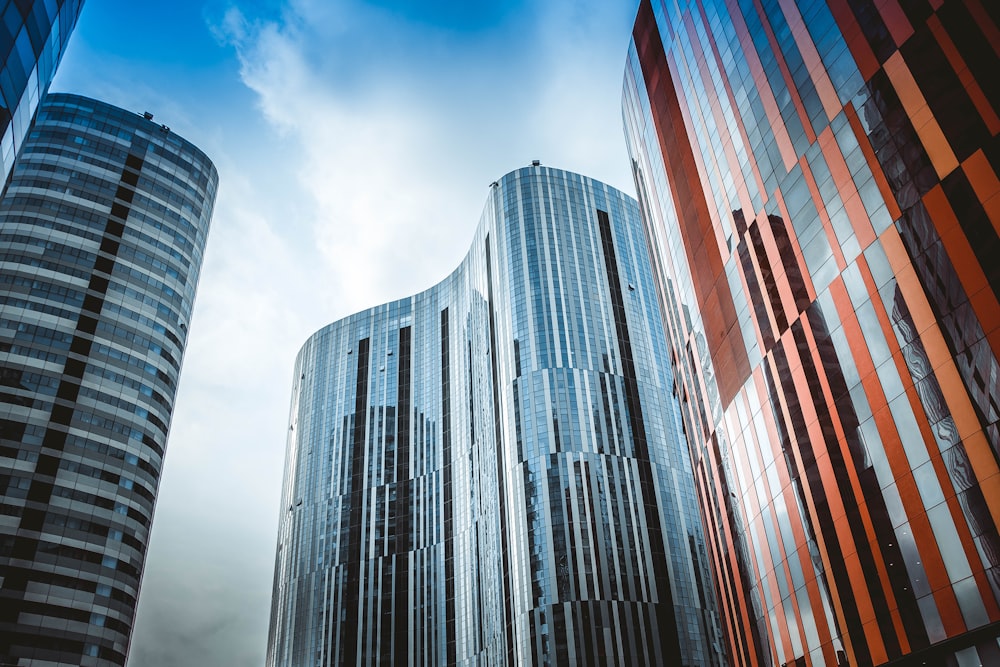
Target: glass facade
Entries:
(494, 471)
(819, 184)
(102, 230)
(33, 37)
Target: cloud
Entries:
(354, 167)
(207, 584)
(404, 125)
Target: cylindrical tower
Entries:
(102, 230)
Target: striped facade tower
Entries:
(818, 180)
(102, 230)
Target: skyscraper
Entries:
(102, 229)
(819, 185)
(493, 470)
(33, 37)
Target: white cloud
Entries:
(353, 171)
(207, 584)
(401, 139)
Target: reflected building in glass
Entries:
(819, 185)
(493, 471)
(33, 37)
(102, 229)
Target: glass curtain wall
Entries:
(819, 184)
(494, 471)
(102, 230)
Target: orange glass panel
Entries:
(895, 20)
(933, 564)
(876, 168)
(669, 118)
(927, 128)
(986, 185)
(846, 188)
(953, 389)
(897, 624)
(874, 636)
(967, 266)
(951, 613)
(867, 62)
(955, 240)
(984, 302)
(936, 203)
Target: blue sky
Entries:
(355, 143)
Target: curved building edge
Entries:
(518, 487)
(103, 225)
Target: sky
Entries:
(355, 143)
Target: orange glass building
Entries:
(819, 184)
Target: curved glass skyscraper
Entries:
(820, 184)
(493, 471)
(102, 230)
